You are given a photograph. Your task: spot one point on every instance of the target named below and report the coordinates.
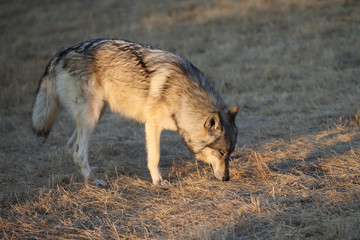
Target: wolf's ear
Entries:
(213, 124)
(233, 112)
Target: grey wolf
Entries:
(155, 87)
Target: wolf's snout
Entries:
(226, 178)
(222, 176)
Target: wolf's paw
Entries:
(100, 183)
(96, 182)
(161, 183)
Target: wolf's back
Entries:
(46, 105)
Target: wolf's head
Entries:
(217, 142)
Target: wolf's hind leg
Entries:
(71, 142)
(86, 121)
(81, 150)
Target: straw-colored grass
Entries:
(278, 190)
(293, 68)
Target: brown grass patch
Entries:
(277, 190)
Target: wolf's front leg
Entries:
(153, 132)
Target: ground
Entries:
(293, 69)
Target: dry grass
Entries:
(291, 66)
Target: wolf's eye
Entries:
(222, 153)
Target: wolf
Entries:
(155, 87)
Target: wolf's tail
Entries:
(46, 105)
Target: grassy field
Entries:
(293, 69)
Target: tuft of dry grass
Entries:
(308, 187)
(291, 66)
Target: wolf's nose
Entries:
(226, 178)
